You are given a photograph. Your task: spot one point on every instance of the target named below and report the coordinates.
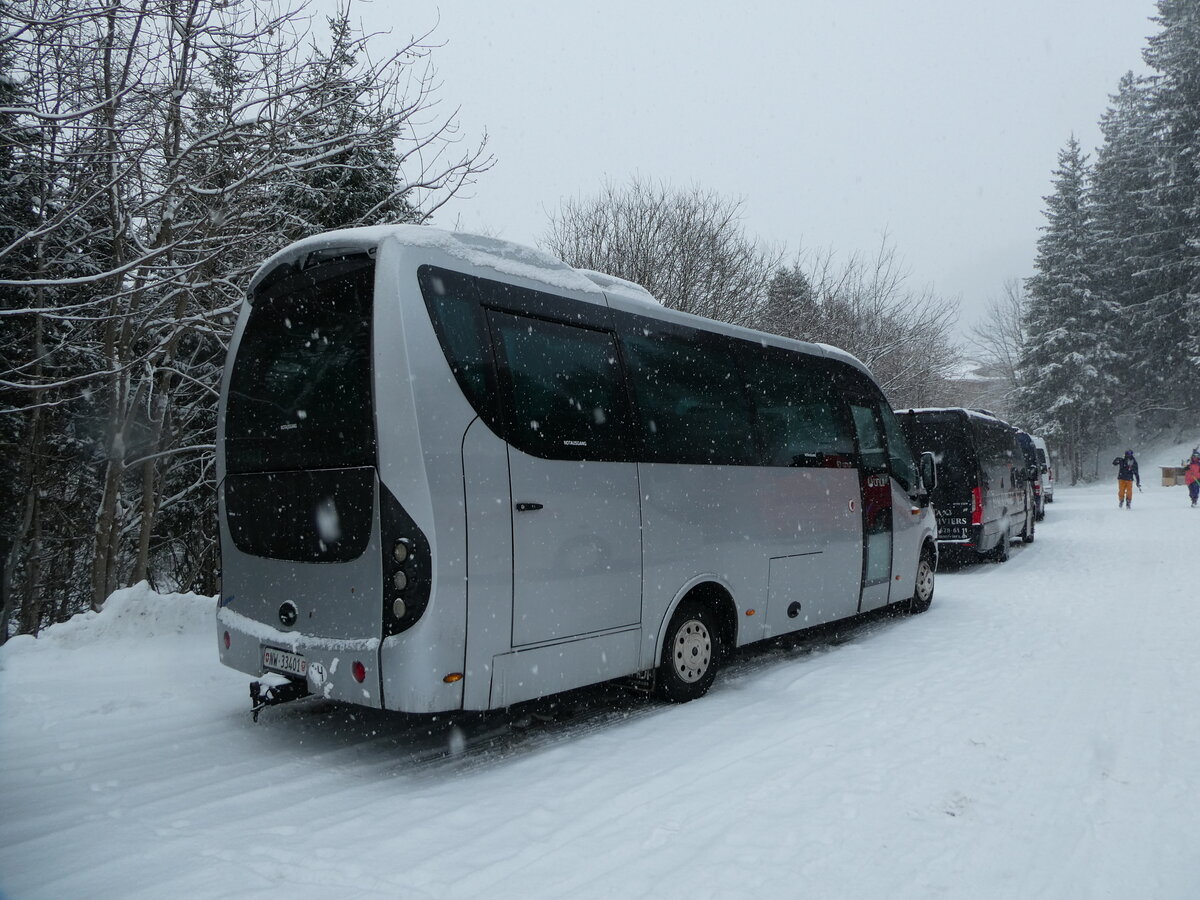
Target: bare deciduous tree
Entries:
(173, 145)
(866, 307)
(687, 247)
(997, 341)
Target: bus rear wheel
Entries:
(690, 653)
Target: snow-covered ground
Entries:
(1035, 734)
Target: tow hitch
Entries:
(271, 690)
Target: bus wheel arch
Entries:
(699, 630)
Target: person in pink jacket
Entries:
(1192, 476)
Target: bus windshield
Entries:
(300, 390)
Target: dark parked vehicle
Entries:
(1033, 472)
(983, 495)
(1046, 466)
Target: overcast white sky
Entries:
(937, 121)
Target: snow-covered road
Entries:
(1035, 734)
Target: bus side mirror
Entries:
(928, 471)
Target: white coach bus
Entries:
(456, 473)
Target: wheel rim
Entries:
(692, 651)
(924, 580)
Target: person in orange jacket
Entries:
(1192, 476)
(1126, 475)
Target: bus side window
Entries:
(691, 399)
(870, 438)
(453, 304)
(562, 389)
(798, 418)
(900, 456)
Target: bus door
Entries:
(576, 516)
(876, 487)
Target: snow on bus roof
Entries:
(844, 355)
(502, 256)
(976, 413)
(499, 255)
(612, 284)
(521, 261)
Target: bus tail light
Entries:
(976, 506)
(359, 671)
(407, 566)
(227, 640)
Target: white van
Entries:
(1047, 467)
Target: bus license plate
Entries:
(282, 661)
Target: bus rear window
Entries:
(322, 516)
(300, 390)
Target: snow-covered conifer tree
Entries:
(1067, 389)
(1173, 271)
(355, 175)
(1126, 239)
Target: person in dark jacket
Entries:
(1126, 476)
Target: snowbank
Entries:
(1170, 455)
(133, 613)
